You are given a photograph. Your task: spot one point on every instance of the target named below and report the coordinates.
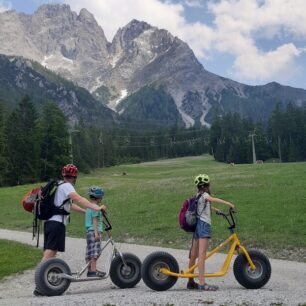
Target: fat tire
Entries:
(122, 278)
(44, 284)
(154, 279)
(243, 272)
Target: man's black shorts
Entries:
(54, 236)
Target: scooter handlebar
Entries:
(230, 210)
(229, 217)
(106, 222)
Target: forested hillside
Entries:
(282, 139)
(34, 145)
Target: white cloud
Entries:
(263, 66)
(238, 24)
(194, 3)
(254, 15)
(5, 6)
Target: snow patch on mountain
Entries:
(45, 60)
(98, 83)
(113, 104)
(114, 60)
(54, 61)
(124, 93)
(189, 122)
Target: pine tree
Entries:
(54, 135)
(3, 160)
(85, 146)
(22, 144)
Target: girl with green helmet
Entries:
(202, 233)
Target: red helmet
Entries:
(70, 170)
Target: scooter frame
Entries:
(77, 276)
(235, 246)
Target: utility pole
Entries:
(70, 147)
(252, 134)
(101, 146)
(279, 149)
(70, 144)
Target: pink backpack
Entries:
(188, 214)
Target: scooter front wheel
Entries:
(125, 274)
(246, 276)
(47, 277)
(151, 274)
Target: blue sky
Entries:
(250, 41)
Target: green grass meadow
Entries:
(25, 257)
(144, 204)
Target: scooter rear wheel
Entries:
(151, 274)
(126, 275)
(47, 279)
(248, 278)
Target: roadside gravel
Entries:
(287, 285)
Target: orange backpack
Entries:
(29, 200)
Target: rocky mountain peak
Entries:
(86, 16)
(52, 10)
(138, 25)
(133, 29)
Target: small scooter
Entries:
(53, 276)
(252, 269)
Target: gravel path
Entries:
(287, 285)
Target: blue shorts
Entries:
(203, 230)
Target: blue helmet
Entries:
(96, 192)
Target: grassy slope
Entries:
(144, 204)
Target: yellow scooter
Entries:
(252, 269)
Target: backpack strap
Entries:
(59, 210)
(36, 227)
(205, 204)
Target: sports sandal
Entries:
(207, 287)
(192, 285)
(100, 273)
(96, 274)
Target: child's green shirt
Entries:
(89, 215)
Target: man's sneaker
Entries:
(37, 293)
(96, 274)
(192, 285)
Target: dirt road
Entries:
(287, 285)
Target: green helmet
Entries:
(202, 179)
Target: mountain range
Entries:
(143, 74)
(20, 77)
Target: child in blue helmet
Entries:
(94, 228)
